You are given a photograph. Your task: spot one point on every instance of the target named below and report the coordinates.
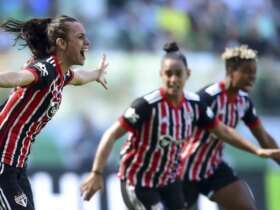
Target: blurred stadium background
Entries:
(131, 33)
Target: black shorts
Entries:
(143, 198)
(15, 189)
(222, 177)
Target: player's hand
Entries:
(103, 64)
(91, 185)
(269, 153)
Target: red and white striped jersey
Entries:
(150, 156)
(29, 108)
(203, 153)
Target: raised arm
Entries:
(94, 181)
(230, 136)
(82, 77)
(15, 79)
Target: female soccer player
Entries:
(203, 168)
(157, 124)
(56, 44)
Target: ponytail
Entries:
(33, 32)
(39, 35)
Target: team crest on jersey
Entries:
(131, 115)
(21, 199)
(42, 68)
(166, 140)
(55, 102)
(53, 109)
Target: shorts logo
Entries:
(21, 199)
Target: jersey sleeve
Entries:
(206, 118)
(250, 117)
(135, 115)
(43, 73)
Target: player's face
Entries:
(174, 75)
(77, 44)
(245, 76)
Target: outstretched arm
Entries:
(94, 181)
(82, 77)
(15, 79)
(230, 136)
(265, 139)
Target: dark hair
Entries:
(234, 63)
(172, 51)
(39, 34)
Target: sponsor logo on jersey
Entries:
(42, 68)
(166, 140)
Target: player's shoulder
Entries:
(243, 94)
(44, 63)
(212, 89)
(191, 96)
(152, 97)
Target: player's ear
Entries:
(61, 43)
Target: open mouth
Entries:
(83, 52)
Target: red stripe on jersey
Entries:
(139, 155)
(214, 159)
(197, 162)
(125, 125)
(20, 122)
(189, 126)
(153, 166)
(201, 161)
(11, 111)
(172, 151)
(232, 112)
(58, 68)
(164, 120)
(177, 125)
(124, 163)
(166, 172)
(188, 149)
(33, 130)
(11, 103)
(26, 145)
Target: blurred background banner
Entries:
(132, 34)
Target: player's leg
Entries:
(225, 188)
(234, 196)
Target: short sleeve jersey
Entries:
(29, 108)
(203, 153)
(157, 130)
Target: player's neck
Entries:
(63, 63)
